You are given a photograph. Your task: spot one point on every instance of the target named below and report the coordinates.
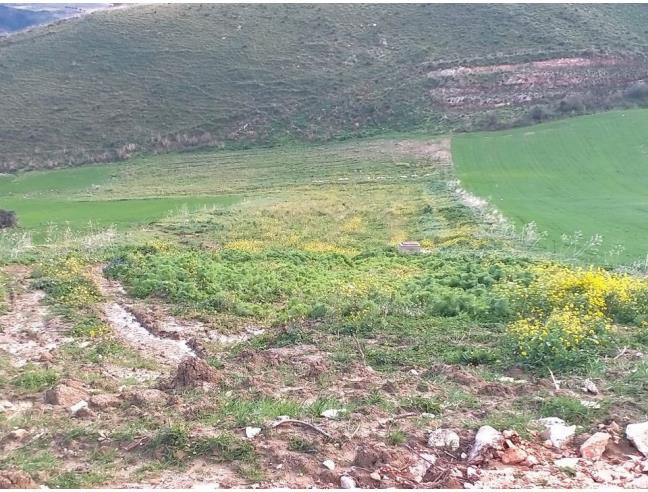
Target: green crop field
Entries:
(587, 174)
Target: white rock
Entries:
(376, 476)
(5, 405)
(567, 463)
(640, 482)
(347, 482)
(444, 438)
(590, 387)
(558, 433)
(330, 464)
(331, 413)
(251, 432)
(549, 421)
(486, 438)
(590, 404)
(420, 468)
(637, 434)
(471, 473)
(74, 409)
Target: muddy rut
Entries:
(27, 331)
(125, 325)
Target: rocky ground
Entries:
(99, 422)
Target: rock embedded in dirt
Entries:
(370, 458)
(640, 482)
(251, 432)
(375, 476)
(347, 482)
(590, 387)
(329, 464)
(147, 397)
(444, 438)
(80, 410)
(66, 394)
(420, 468)
(193, 372)
(594, 447)
(10, 479)
(557, 432)
(331, 413)
(104, 401)
(637, 434)
(567, 464)
(513, 456)
(486, 439)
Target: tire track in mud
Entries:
(27, 332)
(125, 325)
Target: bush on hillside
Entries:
(7, 219)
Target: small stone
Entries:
(637, 434)
(590, 387)
(251, 432)
(640, 482)
(602, 476)
(65, 394)
(472, 473)
(531, 460)
(420, 468)
(560, 434)
(549, 421)
(444, 438)
(567, 464)
(594, 447)
(513, 456)
(5, 405)
(486, 438)
(18, 435)
(375, 476)
(46, 357)
(347, 482)
(330, 464)
(147, 397)
(331, 413)
(414, 372)
(78, 409)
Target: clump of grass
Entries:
(299, 444)
(174, 445)
(421, 404)
(396, 437)
(571, 410)
(35, 378)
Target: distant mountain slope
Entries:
(159, 77)
(15, 19)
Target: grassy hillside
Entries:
(588, 174)
(160, 77)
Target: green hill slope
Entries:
(588, 174)
(161, 77)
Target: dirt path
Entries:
(27, 332)
(128, 328)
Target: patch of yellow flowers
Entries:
(70, 282)
(565, 308)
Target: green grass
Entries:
(85, 89)
(586, 174)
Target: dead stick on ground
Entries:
(417, 453)
(553, 378)
(620, 354)
(306, 424)
(364, 360)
